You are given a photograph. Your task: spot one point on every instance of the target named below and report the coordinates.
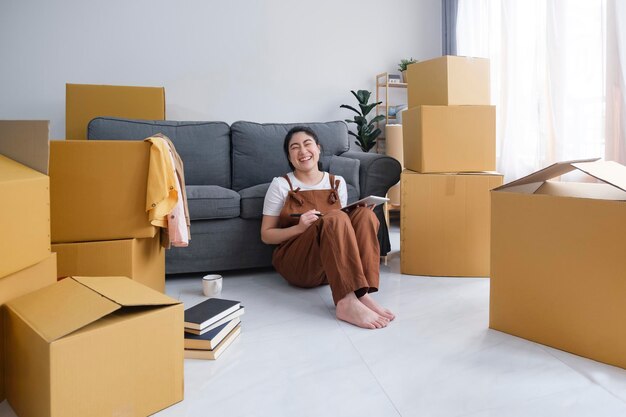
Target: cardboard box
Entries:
(23, 282)
(94, 346)
(449, 80)
(24, 216)
(557, 260)
(98, 190)
(142, 260)
(393, 144)
(444, 223)
(449, 138)
(27, 142)
(84, 102)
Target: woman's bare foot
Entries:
(377, 308)
(350, 309)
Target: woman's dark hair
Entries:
(293, 131)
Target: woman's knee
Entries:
(364, 214)
(335, 217)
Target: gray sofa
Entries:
(227, 172)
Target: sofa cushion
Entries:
(258, 154)
(208, 202)
(203, 146)
(348, 168)
(252, 199)
(353, 194)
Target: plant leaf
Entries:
(345, 106)
(378, 118)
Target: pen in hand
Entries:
(300, 214)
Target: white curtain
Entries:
(616, 82)
(548, 77)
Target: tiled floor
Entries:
(438, 358)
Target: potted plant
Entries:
(367, 132)
(402, 67)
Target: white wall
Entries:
(264, 61)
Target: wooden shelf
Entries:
(393, 85)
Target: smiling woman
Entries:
(318, 243)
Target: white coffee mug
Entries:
(212, 285)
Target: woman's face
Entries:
(304, 153)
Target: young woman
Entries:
(318, 243)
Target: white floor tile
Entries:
(438, 358)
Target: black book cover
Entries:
(209, 311)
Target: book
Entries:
(208, 312)
(219, 349)
(226, 319)
(367, 201)
(212, 338)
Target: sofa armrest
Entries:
(377, 173)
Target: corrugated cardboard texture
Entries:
(129, 363)
(26, 141)
(449, 138)
(557, 270)
(24, 216)
(84, 102)
(394, 148)
(444, 228)
(449, 80)
(18, 284)
(98, 190)
(142, 260)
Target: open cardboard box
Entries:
(94, 346)
(557, 260)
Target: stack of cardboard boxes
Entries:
(98, 190)
(27, 263)
(449, 144)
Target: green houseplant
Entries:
(402, 67)
(367, 132)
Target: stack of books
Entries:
(210, 327)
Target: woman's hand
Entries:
(308, 218)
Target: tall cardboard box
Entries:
(17, 284)
(557, 260)
(84, 102)
(394, 148)
(449, 138)
(25, 196)
(444, 223)
(98, 190)
(142, 260)
(94, 346)
(449, 80)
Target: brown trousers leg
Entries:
(339, 249)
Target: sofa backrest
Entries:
(203, 146)
(258, 154)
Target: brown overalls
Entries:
(339, 249)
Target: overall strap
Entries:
(288, 181)
(334, 184)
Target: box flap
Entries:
(126, 292)
(62, 308)
(607, 171)
(26, 141)
(554, 170)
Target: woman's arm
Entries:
(273, 235)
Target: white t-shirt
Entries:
(279, 189)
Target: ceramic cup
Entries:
(212, 285)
